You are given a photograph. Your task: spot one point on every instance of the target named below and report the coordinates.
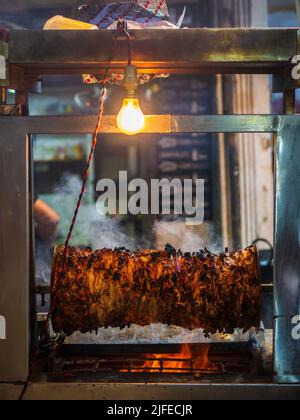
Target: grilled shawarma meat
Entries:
(117, 288)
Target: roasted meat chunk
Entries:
(117, 288)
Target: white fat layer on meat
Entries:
(157, 334)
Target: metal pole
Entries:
(287, 255)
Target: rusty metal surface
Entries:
(213, 50)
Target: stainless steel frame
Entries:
(234, 50)
(214, 51)
(15, 215)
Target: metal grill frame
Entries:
(15, 192)
(215, 51)
(122, 359)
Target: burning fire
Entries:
(192, 359)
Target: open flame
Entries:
(191, 359)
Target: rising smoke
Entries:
(99, 231)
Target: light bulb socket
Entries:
(130, 82)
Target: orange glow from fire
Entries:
(190, 360)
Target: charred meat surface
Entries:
(118, 287)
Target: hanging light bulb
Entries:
(130, 119)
